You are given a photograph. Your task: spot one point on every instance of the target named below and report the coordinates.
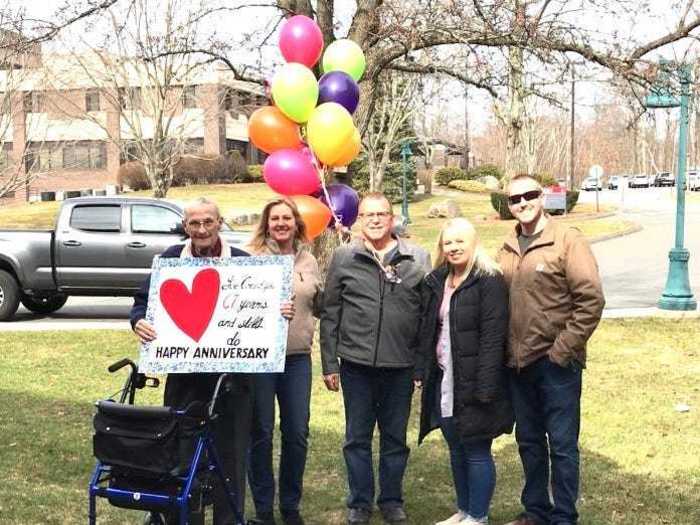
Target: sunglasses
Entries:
(528, 196)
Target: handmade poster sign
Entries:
(218, 315)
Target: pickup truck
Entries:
(101, 246)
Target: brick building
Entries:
(69, 121)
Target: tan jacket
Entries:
(556, 298)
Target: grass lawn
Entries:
(234, 199)
(640, 457)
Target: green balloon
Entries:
(295, 91)
(344, 55)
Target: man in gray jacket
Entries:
(369, 330)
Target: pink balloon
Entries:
(290, 172)
(301, 41)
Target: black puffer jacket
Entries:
(478, 330)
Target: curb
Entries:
(629, 231)
(653, 312)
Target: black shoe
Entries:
(395, 515)
(292, 517)
(263, 518)
(358, 516)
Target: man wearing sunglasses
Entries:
(556, 301)
(369, 331)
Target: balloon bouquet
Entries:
(309, 129)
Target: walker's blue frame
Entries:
(99, 486)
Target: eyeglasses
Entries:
(375, 215)
(528, 196)
(207, 223)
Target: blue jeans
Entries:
(293, 391)
(547, 405)
(473, 471)
(375, 396)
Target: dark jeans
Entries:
(292, 388)
(473, 471)
(375, 396)
(231, 430)
(547, 405)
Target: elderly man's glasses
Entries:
(375, 215)
(528, 196)
(207, 223)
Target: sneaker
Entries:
(395, 515)
(468, 520)
(454, 519)
(358, 516)
(292, 517)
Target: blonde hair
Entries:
(480, 259)
(261, 239)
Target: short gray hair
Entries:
(201, 201)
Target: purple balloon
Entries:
(344, 203)
(338, 86)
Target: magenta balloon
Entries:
(344, 202)
(290, 172)
(338, 86)
(301, 41)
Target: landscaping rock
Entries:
(446, 209)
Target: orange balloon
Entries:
(352, 148)
(270, 130)
(315, 214)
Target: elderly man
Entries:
(202, 222)
(556, 301)
(368, 335)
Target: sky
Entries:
(647, 26)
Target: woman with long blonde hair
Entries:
(461, 365)
(281, 231)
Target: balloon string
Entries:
(322, 175)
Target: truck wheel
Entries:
(9, 296)
(44, 305)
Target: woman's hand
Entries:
(287, 309)
(418, 383)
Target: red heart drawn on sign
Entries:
(191, 311)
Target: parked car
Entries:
(614, 182)
(640, 181)
(693, 180)
(591, 184)
(664, 178)
(101, 246)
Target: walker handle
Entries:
(119, 364)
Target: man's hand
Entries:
(332, 382)
(418, 383)
(145, 331)
(287, 309)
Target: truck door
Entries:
(89, 248)
(153, 229)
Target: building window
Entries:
(129, 151)
(229, 99)
(33, 102)
(41, 157)
(189, 97)
(85, 155)
(193, 146)
(130, 98)
(92, 100)
(5, 153)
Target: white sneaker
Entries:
(468, 520)
(455, 519)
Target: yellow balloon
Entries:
(329, 130)
(352, 148)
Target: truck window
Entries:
(97, 218)
(153, 219)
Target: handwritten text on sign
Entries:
(217, 314)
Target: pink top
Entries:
(443, 351)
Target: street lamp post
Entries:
(405, 155)
(677, 295)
